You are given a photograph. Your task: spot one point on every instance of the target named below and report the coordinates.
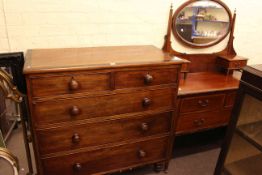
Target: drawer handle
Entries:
(237, 65)
(148, 79)
(199, 122)
(203, 103)
(141, 154)
(146, 102)
(76, 138)
(73, 84)
(74, 111)
(144, 127)
(77, 167)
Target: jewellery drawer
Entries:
(59, 84)
(63, 110)
(237, 64)
(107, 159)
(92, 134)
(202, 103)
(150, 77)
(202, 120)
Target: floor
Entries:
(200, 163)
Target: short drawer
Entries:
(63, 110)
(94, 134)
(202, 120)
(60, 84)
(237, 64)
(150, 77)
(202, 103)
(104, 160)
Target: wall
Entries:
(82, 23)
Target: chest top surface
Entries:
(64, 59)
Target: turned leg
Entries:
(158, 167)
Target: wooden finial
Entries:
(167, 44)
(230, 50)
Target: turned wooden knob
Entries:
(77, 167)
(76, 138)
(74, 110)
(144, 127)
(146, 102)
(199, 122)
(73, 84)
(148, 79)
(141, 154)
(203, 103)
(237, 64)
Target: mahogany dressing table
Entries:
(208, 88)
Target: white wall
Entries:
(26, 24)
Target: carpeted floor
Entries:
(200, 163)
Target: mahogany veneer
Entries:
(205, 101)
(100, 110)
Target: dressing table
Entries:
(208, 88)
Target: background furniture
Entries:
(101, 110)
(14, 62)
(242, 150)
(206, 96)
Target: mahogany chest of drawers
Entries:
(101, 110)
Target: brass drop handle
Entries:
(146, 102)
(76, 138)
(203, 103)
(144, 127)
(77, 167)
(141, 154)
(199, 122)
(74, 111)
(148, 79)
(73, 84)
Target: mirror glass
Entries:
(202, 23)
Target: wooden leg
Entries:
(158, 167)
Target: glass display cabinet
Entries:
(241, 152)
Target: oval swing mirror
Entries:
(202, 23)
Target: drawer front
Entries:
(62, 110)
(69, 84)
(230, 99)
(202, 120)
(202, 103)
(103, 160)
(129, 79)
(237, 64)
(94, 134)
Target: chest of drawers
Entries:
(101, 110)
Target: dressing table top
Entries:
(204, 82)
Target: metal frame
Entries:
(16, 62)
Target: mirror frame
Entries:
(179, 38)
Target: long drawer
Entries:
(93, 134)
(69, 83)
(147, 77)
(63, 110)
(202, 120)
(107, 159)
